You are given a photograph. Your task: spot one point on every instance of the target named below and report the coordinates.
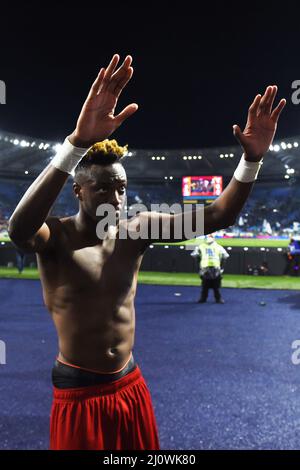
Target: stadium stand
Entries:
(154, 177)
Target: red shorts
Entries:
(110, 416)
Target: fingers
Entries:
(97, 83)
(103, 76)
(123, 68)
(276, 112)
(122, 82)
(121, 77)
(126, 113)
(238, 134)
(254, 106)
(114, 80)
(111, 68)
(270, 99)
(263, 105)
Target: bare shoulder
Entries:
(66, 225)
(53, 234)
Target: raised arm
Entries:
(29, 227)
(255, 141)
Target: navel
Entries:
(112, 351)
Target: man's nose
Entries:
(116, 199)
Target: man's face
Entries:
(104, 185)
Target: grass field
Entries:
(186, 279)
(240, 242)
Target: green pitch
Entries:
(4, 238)
(236, 281)
(241, 242)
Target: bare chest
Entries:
(91, 271)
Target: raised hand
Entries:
(97, 121)
(261, 125)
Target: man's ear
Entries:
(77, 190)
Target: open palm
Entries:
(261, 125)
(97, 120)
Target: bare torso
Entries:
(90, 291)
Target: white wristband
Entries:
(246, 172)
(68, 157)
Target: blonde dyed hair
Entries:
(107, 147)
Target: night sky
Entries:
(195, 71)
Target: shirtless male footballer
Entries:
(100, 398)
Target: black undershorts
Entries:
(67, 376)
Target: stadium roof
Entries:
(23, 156)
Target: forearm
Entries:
(224, 211)
(230, 203)
(35, 205)
(203, 220)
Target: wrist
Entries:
(68, 157)
(247, 171)
(252, 159)
(78, 142)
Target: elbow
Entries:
(13, 230)
(12, 233)
(17, 238)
